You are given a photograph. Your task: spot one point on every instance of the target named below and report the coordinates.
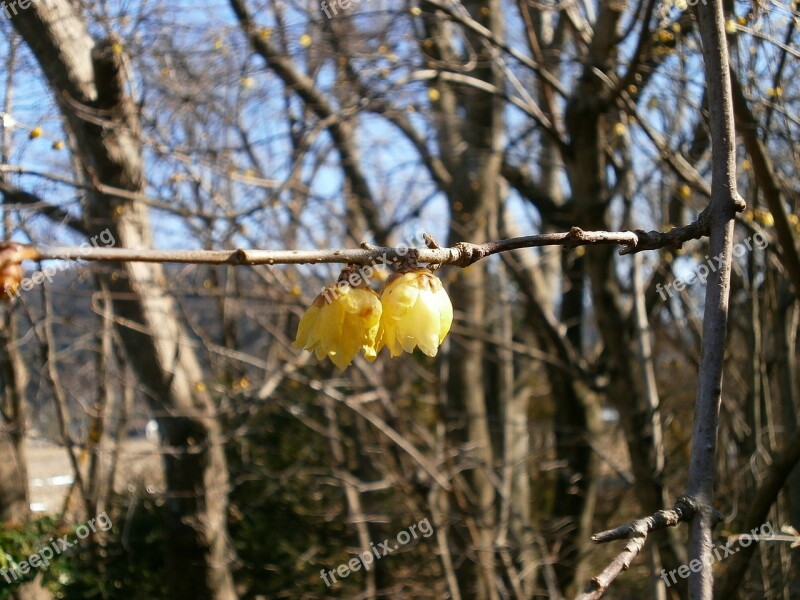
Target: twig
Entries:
(636, 533)
(463, 254)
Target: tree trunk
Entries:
(586, 121)
(90, 87)
(14, 492)
(472, 152)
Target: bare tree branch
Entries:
(636, 533)
(463, 254)
(341, 131)
(722, 210)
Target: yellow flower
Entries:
(664, 36)
(341, 321)
(763, 217)
(35, 133)
(416, 312)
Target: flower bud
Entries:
(416, 312)
(341, 321)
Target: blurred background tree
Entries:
(560, 403)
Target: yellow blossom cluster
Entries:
(764, 217)
(412, 311)
(761, 216)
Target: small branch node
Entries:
(431, 242)
(239, 257)
(468, 254)
(575, 237)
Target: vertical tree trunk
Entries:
(722, 209)
(90, 87)
(586, 121)
(787, 316)
(14, 492)
(471, 148)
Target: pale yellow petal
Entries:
(390, 337)
(307, 323)
(399, 296)
(380, 338)
(369, 315)
(355, 317)
(421, 325)
(329, 328)
(370, 353)
(445, 314)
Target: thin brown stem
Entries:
(462, 254)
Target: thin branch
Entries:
(533, 111)
(463, 254)
(14, 195)
(340, 130)
(467, 21)
(722, 211)
(636, 533)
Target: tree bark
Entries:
(722, 210)
(472, 153)
(586, 121)
(90, 88)
(14, 491)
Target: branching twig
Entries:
(722, 210)
(636, 533)
(462, 254)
